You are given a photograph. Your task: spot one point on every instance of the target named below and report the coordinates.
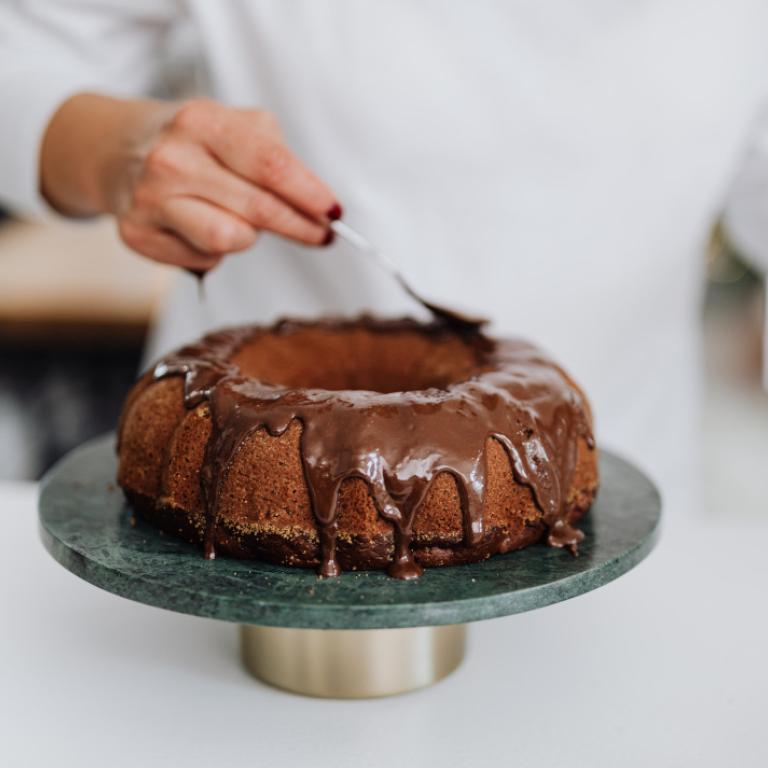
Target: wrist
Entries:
(93, 147)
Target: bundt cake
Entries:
(359, 444)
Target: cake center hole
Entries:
(362, 358)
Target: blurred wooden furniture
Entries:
(74, 282)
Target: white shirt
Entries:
(555, 165)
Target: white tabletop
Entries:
(664, 667)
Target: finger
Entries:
(260, 208)
(206, 227)
(166, 247)
(262, 158)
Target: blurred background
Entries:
(75, 307)
(74, 310)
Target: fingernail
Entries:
(330, 236)
(335, 212)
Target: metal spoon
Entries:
(450, 316)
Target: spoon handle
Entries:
(454, 318)
(354, 238)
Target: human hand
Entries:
(190, 183)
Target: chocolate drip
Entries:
(397, 442)
(199, 275)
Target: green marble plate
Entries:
(85, 524)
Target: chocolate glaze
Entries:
(397, 442)
(199, 275)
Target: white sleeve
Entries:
(745, 217)
(50, 49)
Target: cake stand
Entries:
(360, 634)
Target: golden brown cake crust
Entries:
(176, 451)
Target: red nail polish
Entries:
(335, 212)
(330, 236)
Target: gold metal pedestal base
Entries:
(352, 663)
